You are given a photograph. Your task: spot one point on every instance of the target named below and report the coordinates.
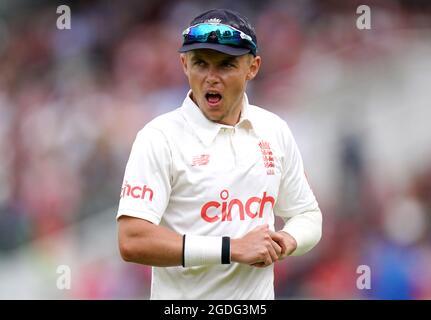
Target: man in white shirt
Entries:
(204, 182)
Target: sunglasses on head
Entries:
(221, 33)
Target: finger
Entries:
(258, 265)
(276, 246)
(272, 253)
(277, 237)
(268, 261)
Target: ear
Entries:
(253, 67)
(184, 62)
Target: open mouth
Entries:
(213, 99)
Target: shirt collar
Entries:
(206, 129)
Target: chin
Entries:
(213, 117)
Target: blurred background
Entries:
(71, 102)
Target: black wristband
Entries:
(225, 250)
(184, 248)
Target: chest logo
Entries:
(268, 157)
(252, 208)
(200, 160)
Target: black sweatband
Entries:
(184, 247)
(225, 250)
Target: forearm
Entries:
(306, 229)
(142, 242)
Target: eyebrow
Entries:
(229, 60)
(196, 58)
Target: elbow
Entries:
(133, 243)
(130, 247)
(126, 250)
(133, 250)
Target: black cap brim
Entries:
(233, 51)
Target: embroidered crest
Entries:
(268, 157)
(213, 20)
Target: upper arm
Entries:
(143, 242)
(147, 180)
(129, 227)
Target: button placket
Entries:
(231, 133)
(227, 152)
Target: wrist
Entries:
(205, 250)
(290, 241)
(235, 253)
(225, 251)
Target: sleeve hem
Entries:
(139, 214)
(306, 229)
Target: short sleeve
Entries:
(295, 195)
(147, 185)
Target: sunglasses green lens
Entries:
(223, 34)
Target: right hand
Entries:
(256, 248)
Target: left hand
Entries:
(285, 241)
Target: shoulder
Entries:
(164, 125)
(167, 121)
(266, 120)
(272, 127)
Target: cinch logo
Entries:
(227, 206)
(136, 191)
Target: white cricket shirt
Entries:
(198, 177)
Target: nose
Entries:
(212, 76)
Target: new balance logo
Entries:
(200, 160)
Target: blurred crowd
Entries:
(72, 101)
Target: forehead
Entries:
(211, 55)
